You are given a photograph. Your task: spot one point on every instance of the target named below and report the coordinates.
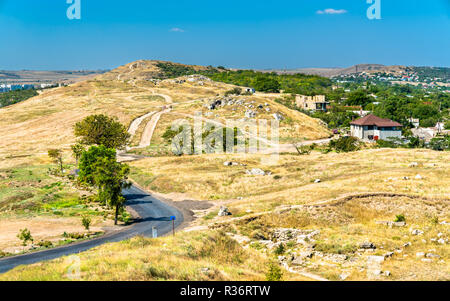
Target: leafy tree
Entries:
(111, 177)
(102, 130)
(56, 155)
(77, 150)
(440, 144)
(25, 236)
(358, 98)
(265, 84)
(89, 160)
(274, 273)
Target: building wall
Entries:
(363, 133)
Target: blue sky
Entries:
(243, 34)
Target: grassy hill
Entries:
(309, 215)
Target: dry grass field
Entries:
(328, 205)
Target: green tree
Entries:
(274, 272)
(358, 98)
(25, 236)
(111, 178)
(102, 130)
(89, 160)
(56, 155)
(266, 84)
(77, 150)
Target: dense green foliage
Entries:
(99, 168)
(344, 144)
(272, 82)
(102, 130)
(261, 81)
(12, 97)
(88, 161)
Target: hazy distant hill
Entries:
(442, 72)
(34, 77)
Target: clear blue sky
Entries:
(36, 34)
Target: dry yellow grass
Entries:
(193, 257)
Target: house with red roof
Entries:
(373, 128)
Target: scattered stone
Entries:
(441, 241)
(418, 177)
(420, 254)
(256, 172)
(317, 181)
(427, 260)
(250, 114)
(224, 211)
(440, 234)
(431, 255)
(298, 261)
(375, 259)
(414, 164)
(306, 254)
(229, 163)
(278, 116)
(368, 245)
(343, 276)
(389, 255)
(387, 273)
(391, 224)
(416, 232)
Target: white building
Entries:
(373, 128)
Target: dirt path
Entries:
(137, 122)
(147, 135)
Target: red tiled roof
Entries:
(374, 120)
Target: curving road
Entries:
(152, 212)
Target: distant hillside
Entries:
(441, 72)
(37, 77)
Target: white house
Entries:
(373, 128)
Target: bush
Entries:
(279, 250)
(45, 244)
(400, 218)
(86, 222)
(274, 273)
(25, 236)
(73, 235)
(234, 91)
(344, 144)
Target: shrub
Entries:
(279, 250)
(234, 91)
(344, 144)
(86, 222)
(25, 236)
(400, 218)
(73, 235)
(274, 273)
(45, 244)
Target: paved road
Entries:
(152, 211)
